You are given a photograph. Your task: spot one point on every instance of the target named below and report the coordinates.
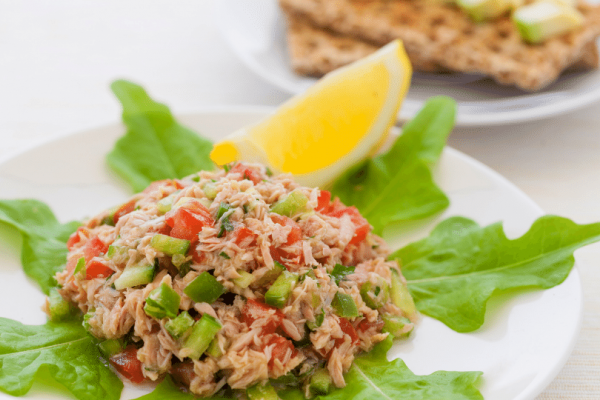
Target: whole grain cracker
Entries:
(447, 37)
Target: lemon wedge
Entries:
(339, 121)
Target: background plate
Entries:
(255, 30)
(522, 346)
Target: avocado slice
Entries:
(539, 21)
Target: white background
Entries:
(57, 59)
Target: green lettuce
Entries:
(65, 351)
(372, 376)
(44, 251)
(453, 273)
(155, 146)
(397, 185)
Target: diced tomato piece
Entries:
(97, 269)
(76, 237)
(365, 325)
(361, 225)
(254, 310)
(94, 248)
(348, 330)
(188, 220)
(247, 173)
(244, 237)
(282, 345)
(285, 258)
(197, 256)
(183, 373)
(323, 201)
(165, 182)
(124, 210)
(296, 232)
(128, 365)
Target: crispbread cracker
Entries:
(444, 35)
(315, 51)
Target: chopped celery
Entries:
(244, 280)
(375, 295)
(295, 202)
(397, 326)
(320, 382)
(210, 190)
(165, 205)
(58, 307)
(271, 274)
(169, 245)
(114, 251)
(162, 302)
(401, 296)
(179, 325)
(203, 333)
(313, 325)
(204, 289)
(214, 349)
(111, 347)
(280, 291)
(79, 271)
(135, 275)
(344, 305)
(86, 318)
(178, 259)
(261, 392)
(205, 202)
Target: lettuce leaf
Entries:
(453, 273)
(63, 350)
(372, 376)
(155, 146)
(44, 250)
(398, 185)
(168, 390)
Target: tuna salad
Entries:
(234, 282)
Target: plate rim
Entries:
(531, 390)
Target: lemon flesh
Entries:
(339, 121)
(539, 21)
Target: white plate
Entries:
(255, 30)
(522, 346)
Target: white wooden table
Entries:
(57, 59)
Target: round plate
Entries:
(256, 33)
(520, 348)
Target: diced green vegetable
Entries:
(79, 271)
(58, 307)
(320, 382)
(179, 325)
(169, 245)
(204, 289)
(165, 205)
(214, 349)
(203, 333)
(86, 318)
(135, 275)
(225, 255)
(178, 259)
(111, 347)
(295, 202)
(271, 275)
(226, 225)
(110, 218)
(375, 295)
(244, 280)
(344, 305)
(280, 291)
(114, 251)
(223, 208)
(313, 325)
(162, 302)
(401, 296)
(340, 272)
(210, 190)
(397, 326)
(262, 392)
